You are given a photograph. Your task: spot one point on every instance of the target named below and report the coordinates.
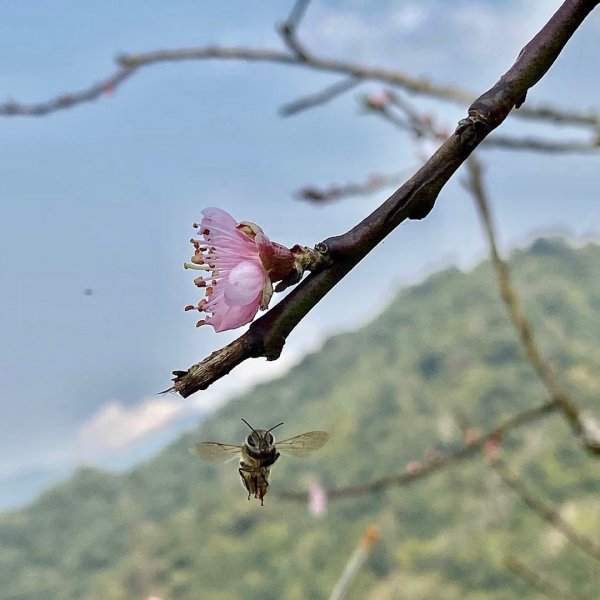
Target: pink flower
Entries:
(242, 262)
(317, 499)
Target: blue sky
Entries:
(103, 196)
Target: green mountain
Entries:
(180, 529)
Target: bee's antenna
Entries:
(274, 427)
(251, 426)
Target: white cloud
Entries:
(341, 28)
(428, 36)
(409, 17)
(115, 426)
(480, 23)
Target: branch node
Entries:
(473, 129)
(521, 100)
(423, 207)
(590, 432)
(127, 61)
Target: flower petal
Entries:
(244, 284)
(232, 317)
(219, 217)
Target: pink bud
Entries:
(378, 101)
(413, 467)
(492, 447)
(471, 435)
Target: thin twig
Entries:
(106, 87)
(288, 30)
(413, 200)
(297, 13)
(436, 464)
(373, 183)
(542, 145)
(417, 125)
(508, 293)
(545, 511)
(507, 289)
(329, 93)
(535, 581)
(357, 560)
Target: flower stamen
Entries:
(196, 267)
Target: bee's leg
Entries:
(271, 459)
(241, 472)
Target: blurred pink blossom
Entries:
(317, 499)
(471, 435)
(413, 467)
(378, 101)
(242, 262)
(492, 447)
(108, 90)
(431, 454)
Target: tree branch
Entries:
(373, 183)
(129, 64)
(415, 123)
(413, 200)
(532, 579)
(545, 511)
(329, 93)
(289, 28)
(542, 145)
(527, 336)
(103, 88)
(358, 558)
(436, 464)
(297, 13)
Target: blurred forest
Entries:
(390, 394)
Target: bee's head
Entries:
(260, 440)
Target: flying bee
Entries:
(258, 454)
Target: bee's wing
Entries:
(303, 444)
(216, 452)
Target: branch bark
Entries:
(413, 200)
